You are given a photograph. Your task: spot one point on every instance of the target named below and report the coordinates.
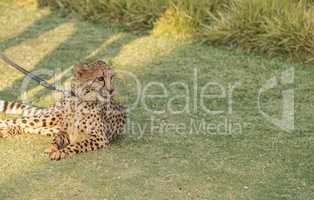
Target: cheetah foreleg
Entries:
(43, 131)
(94, 142)
(47, 120)
(60, 141)
(10, 131)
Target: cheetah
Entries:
(87, 121)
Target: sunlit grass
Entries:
(148, 48)
(40, 46)
(16, 16)
(175, 23)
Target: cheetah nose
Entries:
(111, 91)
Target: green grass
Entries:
(263, 162)
(264, 26)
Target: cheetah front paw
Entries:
(4, 133)
(58, 155)
(10, 131)
(56, 145)
(51, 149)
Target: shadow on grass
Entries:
(80, 46)
(39, 27)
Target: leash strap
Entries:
(33, 76)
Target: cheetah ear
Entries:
(78, 71)
(100, 62)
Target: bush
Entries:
(141, 14)
(133, 14)
(269, 26)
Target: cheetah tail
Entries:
(17, 108)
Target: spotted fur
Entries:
(18, 108)
(85, 122)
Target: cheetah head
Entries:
(93, 82)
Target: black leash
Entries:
(32, 76)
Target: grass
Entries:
(264, 26)
(261, 162)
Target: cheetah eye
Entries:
(100, 79)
